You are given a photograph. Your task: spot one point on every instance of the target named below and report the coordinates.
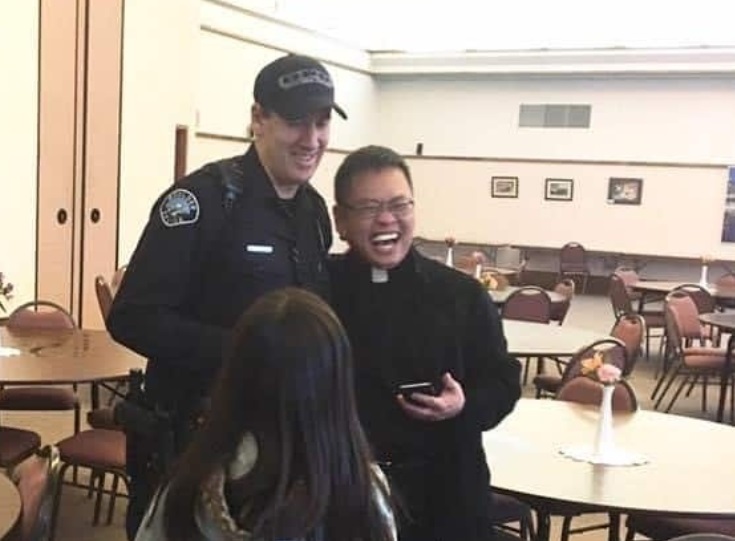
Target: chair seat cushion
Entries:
(660, 527)
(505, 508)
(17, 444)
(704, 361)
(104, 449)
(102, 418)
(38, 399)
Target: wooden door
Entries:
(79, 149)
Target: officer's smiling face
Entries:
(377, 218)
(290, 151)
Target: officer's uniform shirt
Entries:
(197, 266)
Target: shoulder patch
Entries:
(180, 207)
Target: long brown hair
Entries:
(290, 365)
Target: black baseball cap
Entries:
(295, 86)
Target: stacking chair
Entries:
(573, 262)
(629, 276)
(583, 390)
(98, 418)
(16, 444)
(630, 329)
(726, 281)
(37, 480)
(104, 295)
(559, 310)
(684, 360)
(547, 385)
(103, 452)
(529, 303)
(40, 314)
(507, 510)
(705, 304)
(117, 279)
(621, 304)
(665, 527)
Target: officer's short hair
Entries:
(369, 158)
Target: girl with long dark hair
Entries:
(281, 454)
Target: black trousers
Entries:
(149, 460)
(431, 505)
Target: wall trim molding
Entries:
(496, 159)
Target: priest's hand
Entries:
(447, 404)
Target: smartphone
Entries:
(425, 387)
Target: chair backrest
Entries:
(117, 279)
(684, 315)
(37, 480)
(631, 330)
(573, 257)
(628, 274)
(583, 390)
(726, 280)
(40, 314)
(619, 297)
(559, 310)
(613, 350)
(702, 298)
(528, 303)
(104, 295)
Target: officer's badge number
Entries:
(180, 207)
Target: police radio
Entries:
(231, 183)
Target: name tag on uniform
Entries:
(259, 249)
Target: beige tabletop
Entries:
(655, 286)
(9, 505)
(689, 469)
(539, 339)
(501, 270)
(77, 356)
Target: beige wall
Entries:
(160, 63)
(18, 140)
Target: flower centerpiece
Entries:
(451, 242)
(608, 375)
(479, 259)
(6, 292)
(703, 278)
(603, 451)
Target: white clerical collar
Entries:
(378, 276)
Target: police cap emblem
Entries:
(180, 207)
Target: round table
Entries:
(499, 296)
(656, 286)
(688, 471)
(64, 356)
(542, 340)
(10, 506)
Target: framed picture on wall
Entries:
(559, 189)
(624, 191)
(504, 187)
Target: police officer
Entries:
(218, 239)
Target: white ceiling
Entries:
(488, 25)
